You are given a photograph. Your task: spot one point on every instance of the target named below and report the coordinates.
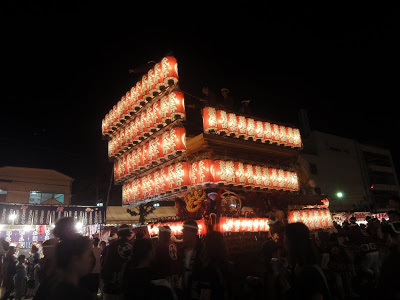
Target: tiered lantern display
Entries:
(313, 218)
(221, 122)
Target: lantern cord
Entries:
(190, 95)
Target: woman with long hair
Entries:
(216, 279)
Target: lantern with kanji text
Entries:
(209, 119)
(177, 140)
(232, 125)
(159, 77)
(242, 126)
(182, 173)
(169, 67)
(176, 105)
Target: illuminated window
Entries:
(37, 197)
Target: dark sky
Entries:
(66, 65)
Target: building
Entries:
(354, 176)
(34, 186)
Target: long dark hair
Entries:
(215, 251)
(299, 246)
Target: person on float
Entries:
(227, 100)
(113, 259)
(166, 262)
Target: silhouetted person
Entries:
(245, 107)
(209, 99)
(227, 100)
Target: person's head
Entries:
(225, 92)
(215, 250)
(103, 244)
(48, 247)
(141, 234)
(65, 228)
(124, 232)
(189, 231)
(353, 220)
(142, 252)
(164, 234)
(21, 258)
(298, 244)
(96, 242)
(205, 90)
(34, 249)
(73, 256)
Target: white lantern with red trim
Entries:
(158, 188)
(145, 149)
(120, 109)
(135, 101)
(240, 178)
(104, 126)
(144, 130)
(177, 105)
(151, 83)
(297, 138)
(138, 133)
(209, 119)
(232, 125)
(169, 66)
(140, 159)
(290, 138)
(145, 90)
(282, 135)
(281, 179)
(242, 126)
(273, 177)
(275, 133)
(159, 77)
(139, 93)
(157, 119)
(257, 172)
(166, 145)
(125, 104)
(115, 122)
(177, 140)
(165, 110)
(265, 178)
(182, 173)
(259, 131)
(222, 122)
(249, 175)
(228, 172)
(129, 103)
(149, 119)
(133, 161)
(250, 129)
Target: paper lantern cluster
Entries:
(216, 121)
(176, 227)
(156, 116)
(170, 144)
(162, 75)
(227, 224)
(177, 177)
(313, 218)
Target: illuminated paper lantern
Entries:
(242, 126)
(160, 148)
(133, 162)
(257, 172)
(171, 176)
(281, 179)
(204, 174)
(297, 138)
(232, 125)
(249, 175)
(243, 224)
(110, 148)
(115, 122)
(275, 133)
(228, 172)
(125, 163)
(120, 109)
(153, 150)
(159, 77)
(250, 129)
(216, 171)
(121, 168)
(144, 132)
(157, 186)
(236, 225)
(124, 138)
(194, 168)
(125, 104)
(255, 225)
(145, 191)
(145, 149)
(157, 119)
(163, 181)
(125, 194)
(128, 104)
(131, 134)
(273, 177)
(149, 119)
(139, 93)
(182, 173)
(136, 190)
(150, 184)
(166, 145)
(104, 126)
(177, 140)
(259, 131)
(209, 119)
(293, 181)
(287, 180)
(266, 183)
(240, 178)
(282, 135)
(176, 105)
(169, 66)
(137, 129)
(135, 101)
(116, 170)
(222, 122)
(140, 160)
(165, 110)
(290, 138)
(145, 90)
(151, 83)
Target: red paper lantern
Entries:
(273, 177)
(140, 158)
(242, 126)
(204, 174)
(150, 184)
(177, 140)
(265, 178)
(236, 225)
(297, 138)
(145, 90)
(216, 171)
(124, 138)
(293, 181)
(120, 110)
(144, 132)
(166, 145)
(130, 134)
(259, 129)
(250, 129)
(125, 194)
(115, 122)
(124, 160)
(121, 168)
(257, 172)
(255, 224)
(209, 119)
(139, 92)
(157, 186)
(232, 125)
(281, 179)
(194, 168)
(134, 162)
(182, 173)
(222, 122)
(136, 190)
(151, 83)
(163, 180)
(104, 126)
(240, 178)
(125, 105)
(149, 119)
(169, 66)
(129, 104)
(282, 135)
(160, 148)
(249, 176)
(275, 133)
(135, 101)
(144, 187)
(157, 118)
(145, 149)
(116, 170)
(153, 150)
(176, 105)
(171, 175)
(165, 110)
(150, 152)
(287, 178)
(290, 138)
(159, 77)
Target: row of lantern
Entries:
(162, 75)
(176, 227)
(178, 176)
(159, 114)
(313, 218)
(167, 145)
(217, 121)
(227, 224)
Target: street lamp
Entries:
(340, 196)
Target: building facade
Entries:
(34, 186)
(354, 176)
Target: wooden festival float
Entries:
(234, 176)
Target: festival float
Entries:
(233, 177)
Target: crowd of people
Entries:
(345, 262)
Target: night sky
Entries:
(65, 66)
